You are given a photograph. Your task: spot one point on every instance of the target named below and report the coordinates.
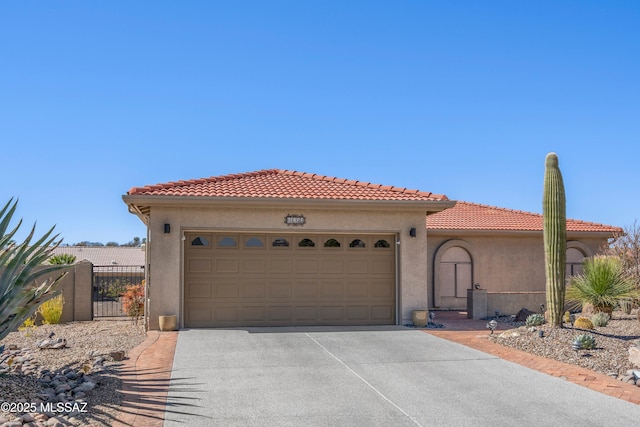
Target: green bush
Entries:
(600, 319)
(603, 284)
(535, 319)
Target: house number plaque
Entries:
(294, 219)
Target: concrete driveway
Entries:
(386, 376)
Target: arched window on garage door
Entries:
(456, 272)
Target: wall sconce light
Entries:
(167, 228)
(412, 232)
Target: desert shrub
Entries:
(584, 342)
(600, 319)
(28, 325)
(62, 259)
(583, 323)
(22, 289)
(535, 319)
(133, 301)
(51, 310)
(603, 284)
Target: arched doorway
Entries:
(453, 275)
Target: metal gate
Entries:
(109, 283)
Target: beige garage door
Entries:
(290, 279)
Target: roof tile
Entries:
(277, 183)
(473, 216)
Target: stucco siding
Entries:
(166, 250)
(510, 267)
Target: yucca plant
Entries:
(602, 284)
(21, 290)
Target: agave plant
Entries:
(602, 284)
(21, 290)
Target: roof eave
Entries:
(139, 204)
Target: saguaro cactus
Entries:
(555, 239)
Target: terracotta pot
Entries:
(168, 323)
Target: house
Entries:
(105, 255)
(502, 252)
(278, 247)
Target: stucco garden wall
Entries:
(510, 267)
(166, 249)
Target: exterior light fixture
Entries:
(492, 325)
(167, 228)
(412, 232)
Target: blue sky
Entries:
(464, 98)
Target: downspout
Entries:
(397, 263)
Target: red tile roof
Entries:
(284, 184)
(472, 216)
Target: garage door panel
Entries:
(199, 265)
(253, 313)
(306, 266)
(332, 266)
(382, 266)
(331, 290)
(279, 290)
(359, 313)
(382, 313)
(358, 266)
(306, 290)
(227, 265)
(306, 313)
(357, 290)
(280, 266)
(381, 290)
(199, 289)
(199, 314)
(252, 290)
(290, 285)
(331, 313)
(254, 265)
(228, 315)
(280, 314)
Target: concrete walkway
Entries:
(147, 376)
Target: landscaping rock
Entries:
(634, 356)
(522, 315)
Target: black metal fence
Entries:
(109, 283)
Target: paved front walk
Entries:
(366, 376)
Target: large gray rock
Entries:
(522, 315)
(634, 356)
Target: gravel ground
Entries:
(86, 343)
(611, 355)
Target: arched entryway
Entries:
(453, 274)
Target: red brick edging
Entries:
(145, 376)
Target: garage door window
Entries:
(307, 243)
(254, 242)
(332, 243)
(200, 241)
(357, 243)
(227, 242)
(382, 244)
(280, 243)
